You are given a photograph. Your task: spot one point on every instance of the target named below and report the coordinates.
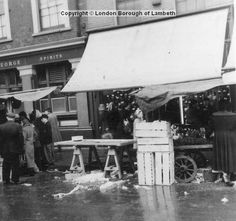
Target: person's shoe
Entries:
(229, 184)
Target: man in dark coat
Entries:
(45, 137)
(12, 142)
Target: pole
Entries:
(181, 109)
(233, 97)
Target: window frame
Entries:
(7, 21)
(58, 98)
(37, 29)
(69, 104)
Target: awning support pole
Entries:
(181, 109)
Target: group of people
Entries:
(27, 139)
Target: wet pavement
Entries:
(177, 202)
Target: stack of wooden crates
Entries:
(155, 155)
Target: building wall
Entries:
(28, 51)
(22, 26)
(142, 5)
(188, 6)
(88, 23)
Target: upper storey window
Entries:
(49, 11)
(46, 15)
(4, 21)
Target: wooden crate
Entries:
(146, 168)
(155, 154)
(155, 145)
(155, 168)
(164, 168)
(152, 130)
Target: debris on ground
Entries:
(198, 178)
(224, 200)
(124, 188)
(95, 180)
(53, 171)
(186, 193)
(61, 195)
(26, 184)
(111, 185)
(95, 177)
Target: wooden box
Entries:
(146, 168)
(164, 168)
(164, 144)
(152, 130)
(155, 168)
(155, 156)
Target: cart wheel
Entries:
(199, 158)
(185, 169)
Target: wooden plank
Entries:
(166, 168)
(151, 133)
(195, 147)
(160, 125)
(96, 142)
(157, 141)
(149, 168)
(155, 148)
(158, 168)
(141, 168)
(172, 167)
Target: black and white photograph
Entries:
(117, 110)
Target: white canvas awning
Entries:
(229, 75)
(29, 95)
(181, 49)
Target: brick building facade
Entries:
(38, 48)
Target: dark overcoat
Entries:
(11, 138)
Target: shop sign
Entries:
(52, 57)
(10, 63)
(41, 58)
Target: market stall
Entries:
(176, 62)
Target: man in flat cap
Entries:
(12, 141)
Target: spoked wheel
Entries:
(185, 169)
(198, 157)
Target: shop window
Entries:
(44, 104)
(56, 75)
(2, 80)
(46, 15)
(10, 80)
(72, 104)
(4, 21)
(58, 104)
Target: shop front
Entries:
(175, 64)
(138, 56)
(45, 67)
